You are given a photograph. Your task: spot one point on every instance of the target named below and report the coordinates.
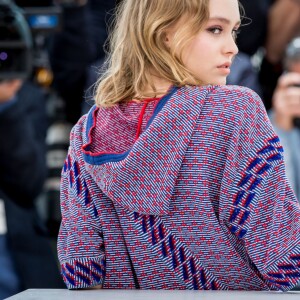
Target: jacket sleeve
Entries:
(80, 241)
(273, 242)
(261, 211)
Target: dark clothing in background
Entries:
(73, 50)
(22, 173)
(253, 35)
(243, 73)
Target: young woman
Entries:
(174, 180)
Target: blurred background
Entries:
(51, 52)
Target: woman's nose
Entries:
(231, 46)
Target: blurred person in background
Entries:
(243, 73)
(26, 258)
(285, 114)
(265, 32)
(72, 50)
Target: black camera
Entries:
(24, 24)
(15, 43)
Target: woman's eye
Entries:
(215, 30)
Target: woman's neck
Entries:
(158, 87)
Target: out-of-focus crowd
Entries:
(38, 111)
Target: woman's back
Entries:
(182, 202)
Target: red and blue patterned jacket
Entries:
(190, 189)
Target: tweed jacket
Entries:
(184, 192)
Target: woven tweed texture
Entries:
(198, 200)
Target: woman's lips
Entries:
(225, 68)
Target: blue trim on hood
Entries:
(110, 157)
(90, 122)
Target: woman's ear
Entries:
(170, 32)
(167, 37)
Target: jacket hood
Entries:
(142, 175)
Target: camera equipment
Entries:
(296, 121)
(292, 56)
(15, 43)
(292, 53)
(24, 26)
(42, 16)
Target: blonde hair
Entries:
(138, 47)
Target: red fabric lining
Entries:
(141, 117)
(138, 131)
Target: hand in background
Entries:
(286, 100)
(8, 89)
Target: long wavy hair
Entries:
(137, 48)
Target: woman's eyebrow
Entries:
(224, 20)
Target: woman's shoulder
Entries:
(234, 98)
(234, 93)
(224, 93)
(238, 104)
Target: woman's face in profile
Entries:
(210, 53)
